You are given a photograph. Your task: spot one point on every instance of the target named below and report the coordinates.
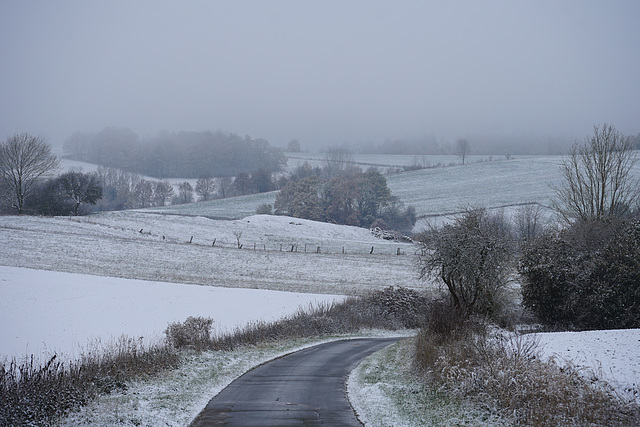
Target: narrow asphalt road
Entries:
(303, 388)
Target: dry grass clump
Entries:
(504, 376)
(35, 394)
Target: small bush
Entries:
(195, 332)
(406, 306)
(264, 209)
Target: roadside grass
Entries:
(387, 390)
(32, 393)
(502, 376)
(36, 394)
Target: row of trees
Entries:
(126, 190)
(29, 184)
(175, 154)
(584, 272)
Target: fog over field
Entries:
(324, 73)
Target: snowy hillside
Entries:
(131, 272)
(156, 247)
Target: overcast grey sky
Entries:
(324, 72)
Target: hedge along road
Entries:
(307, 387)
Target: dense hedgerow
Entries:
(585, 277)
(35, 394)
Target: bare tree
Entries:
(242, 184)
(24, 159)
(143, 193)
(597, 178)
(293, 146)
(185, 192)
(224, 185)
(472, 257)
(528, 221)
(80, 188)
(462, 149)
(205, 186)
(162, 192)
(336, 160)
(238, 235)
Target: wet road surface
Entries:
(305, 388)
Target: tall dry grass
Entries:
(36, 394)
(504, 376)
(391, 308)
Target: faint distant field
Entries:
(433, 191)
(382, 161)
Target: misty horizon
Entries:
(326, 74)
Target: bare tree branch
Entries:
(24, 159)
(597, 178)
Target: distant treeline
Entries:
(478, 145)
(175, 154)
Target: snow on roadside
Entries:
(384, 391)
(42, 312)
(611, 355)
(176, 397)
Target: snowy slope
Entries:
(111, 244)
(42, 312)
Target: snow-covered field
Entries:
(61, 312)
(612, 356)
(111, 244)
(46, 312)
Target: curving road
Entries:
(303, 388)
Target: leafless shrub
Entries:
(195, 332)
(406, 306)
(473, 258)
